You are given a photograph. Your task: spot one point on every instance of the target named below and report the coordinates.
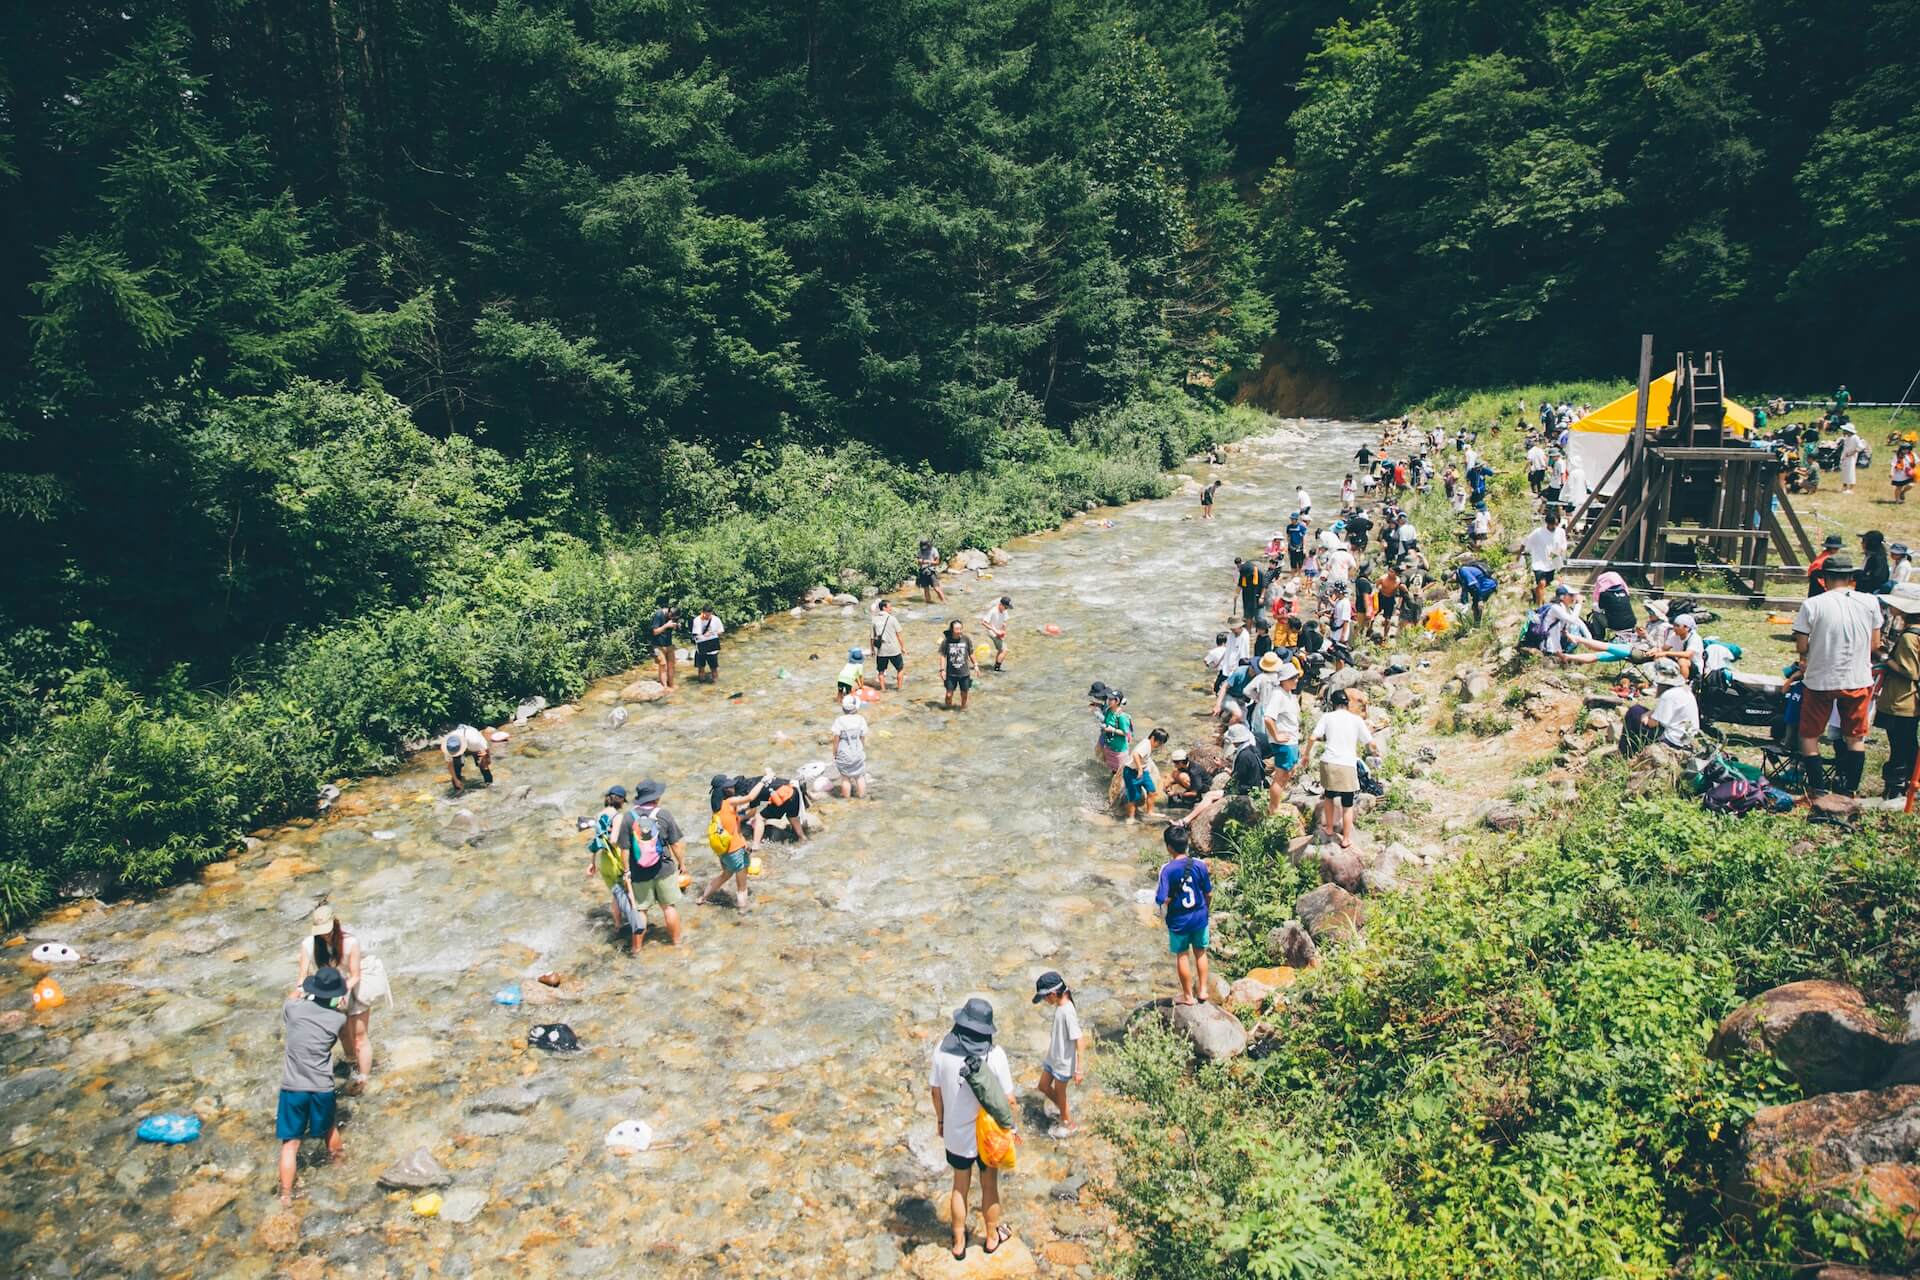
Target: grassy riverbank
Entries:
(114, 788)
(1509, 1076)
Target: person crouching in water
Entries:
(467, 741)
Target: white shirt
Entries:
(1407, 534)
(1282, 708)
(1329, 540)
(1337, 565)
(707, 628)
(958, 1105)
(1215, 656)
(1560, 618)
(1239, 649)
(1678, 712)
(1536, 459)
(1546, 548)
(1344, 733)
(1301, 500)
(1839, 626)
(995, 618)
(1342, 618)
(1482, 522)
(1903, 569)
(1471, 458)
(472, 741)
(1849, 446)
(1346, 491)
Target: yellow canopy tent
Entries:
(1597, 439)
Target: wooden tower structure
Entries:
(1689, 493)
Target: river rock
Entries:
(998, 557)
(1011, 1261)
(510, 1099)
(407, 1052)
(1331, 914)
(1835, 1144)
(643, 691)
(1247, 993)
(1504, 816)
(1821, 1032)
(416, 1171)
(1294, 945)
(182, 1014)
(278, 1232)
(1403, 699)
(493, 1124)
(1475, 687)
(17, 1089)
(462, 1204)
(970, 559)
(198, 1201)
(817, 595)
(1340, 866)
(845, 599)
(1216, 1034)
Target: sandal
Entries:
(1005, 1234)
(960, 1256)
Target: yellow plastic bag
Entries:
(48, 995)
(995, 1143)
(428, 1205)
(1438, 620)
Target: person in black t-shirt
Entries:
(956, 657)
(660, 634)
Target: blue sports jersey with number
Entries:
(1184, 886)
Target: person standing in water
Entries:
(927, 574)
(466, 741)
(852, 676)
(995, 621)
(311, 1020)
(850, 749)
(707, 630)
(650, 844)
(956, 654)
(966, 1049)
(1139, 777)
(604, 860)
(1065, 1062)
(661, 628)
(724, 838)
(887, 649)
(332, 945)
(1206, 500)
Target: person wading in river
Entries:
(968, 1048)
(956, 655)
(707, 630)
(466, 741)
(1065, 1062)
(311, 1018)
(927, 574)
(887, 649)
(661, 628)
(995, 621)
(729, 803)
(332, 945)
(650, 844)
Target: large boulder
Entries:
(1248, 993)
(817, 595)
(1331, 914)
(998, 557)
(1216, 1034)
(1010, 1261)
(1821, 1032)
(1504, 816)
(1476, 687)
(1835, 1146)
(1340, 866)
(1294, 945)
(643, 691)
(969, 559)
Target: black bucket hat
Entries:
(648, 791)
(325, 983)
(973, 1027)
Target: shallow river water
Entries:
(780, 1057)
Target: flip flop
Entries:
(1005, 1234)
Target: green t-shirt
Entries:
(852, 674)
(1117, 727)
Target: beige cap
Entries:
(322, 919)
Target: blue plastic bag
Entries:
(508, 995)
(169, 1128)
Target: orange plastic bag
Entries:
(48, 995)
(995, 1143)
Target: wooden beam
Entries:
(1657, 527)
(1786, 506)
(1706, 453)
(1701, 531)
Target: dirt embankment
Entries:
(1291, 384)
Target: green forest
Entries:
(374, 364)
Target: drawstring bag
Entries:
(373, 982)
(555, 1037)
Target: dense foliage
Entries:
(1467, 192)
(1510, 1077)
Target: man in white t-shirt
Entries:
(1837, 633)
(1342, 735)
(1301, 502)
(995, 621)
(955, 1109)
(1682, 643)
(467, 741)
(1340, 613)
(1279, 714)
(1536, 467)
(1546, 549)
(707, 630)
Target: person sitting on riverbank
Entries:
(464, 741)
(1187, 779)
(311, 1020)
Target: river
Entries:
(779, 1057)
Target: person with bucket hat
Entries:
(650, 845)
(1899, 563)
(464, 741)
(962, 1053)
(852, 677)
(310, 1020)
(1836, 634)
(1829, 545)
(1899, 705)
(1676, 712)
(1065, 1062)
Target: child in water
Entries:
(1064, 1063)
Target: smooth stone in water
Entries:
(511, 1099)
(182, 1014)
(463, 1204)
(417, 1171)
(493, 1124)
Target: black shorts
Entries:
(1534, 478)
(844, 687)
(898, 661)
(962, 1162)
(1344, 797)
(959, 684)
(926, 578)
(1296, 558)
(1543, 575)
(706, 658)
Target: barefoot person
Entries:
(1343, 735)
(887, 649)
(311, 1019)
(956, 656)
(333, 946)
(995, 621)
(967, 1050)
(467, 741)
(1186, 893)
(1065, 1062)
(661, 628)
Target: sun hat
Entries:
(1047, 984)
(1848, 428)
(453, 744)
(1238, 735)
(972, 1028)
(1897, 549)
(322, 919)
(1839, 567)
(1286, 670)
(1833, 542)
(1905, 597)
(1236, 622)
(856, 655)
(1289, 592)
(1269, 661)
(617, 790)
(849, 704)
(325, 983)
(1098, 689)
(648, 791)
(1667, 671)
(1686, 620)
(1179, 755)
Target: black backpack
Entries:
(554, 1037)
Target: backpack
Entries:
(1477, 582)
(1618, 607)
(1736, 795)
(1597, 625)
(645, 841)
(1534, 634)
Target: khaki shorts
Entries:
(663, 889)
(1339, 779)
